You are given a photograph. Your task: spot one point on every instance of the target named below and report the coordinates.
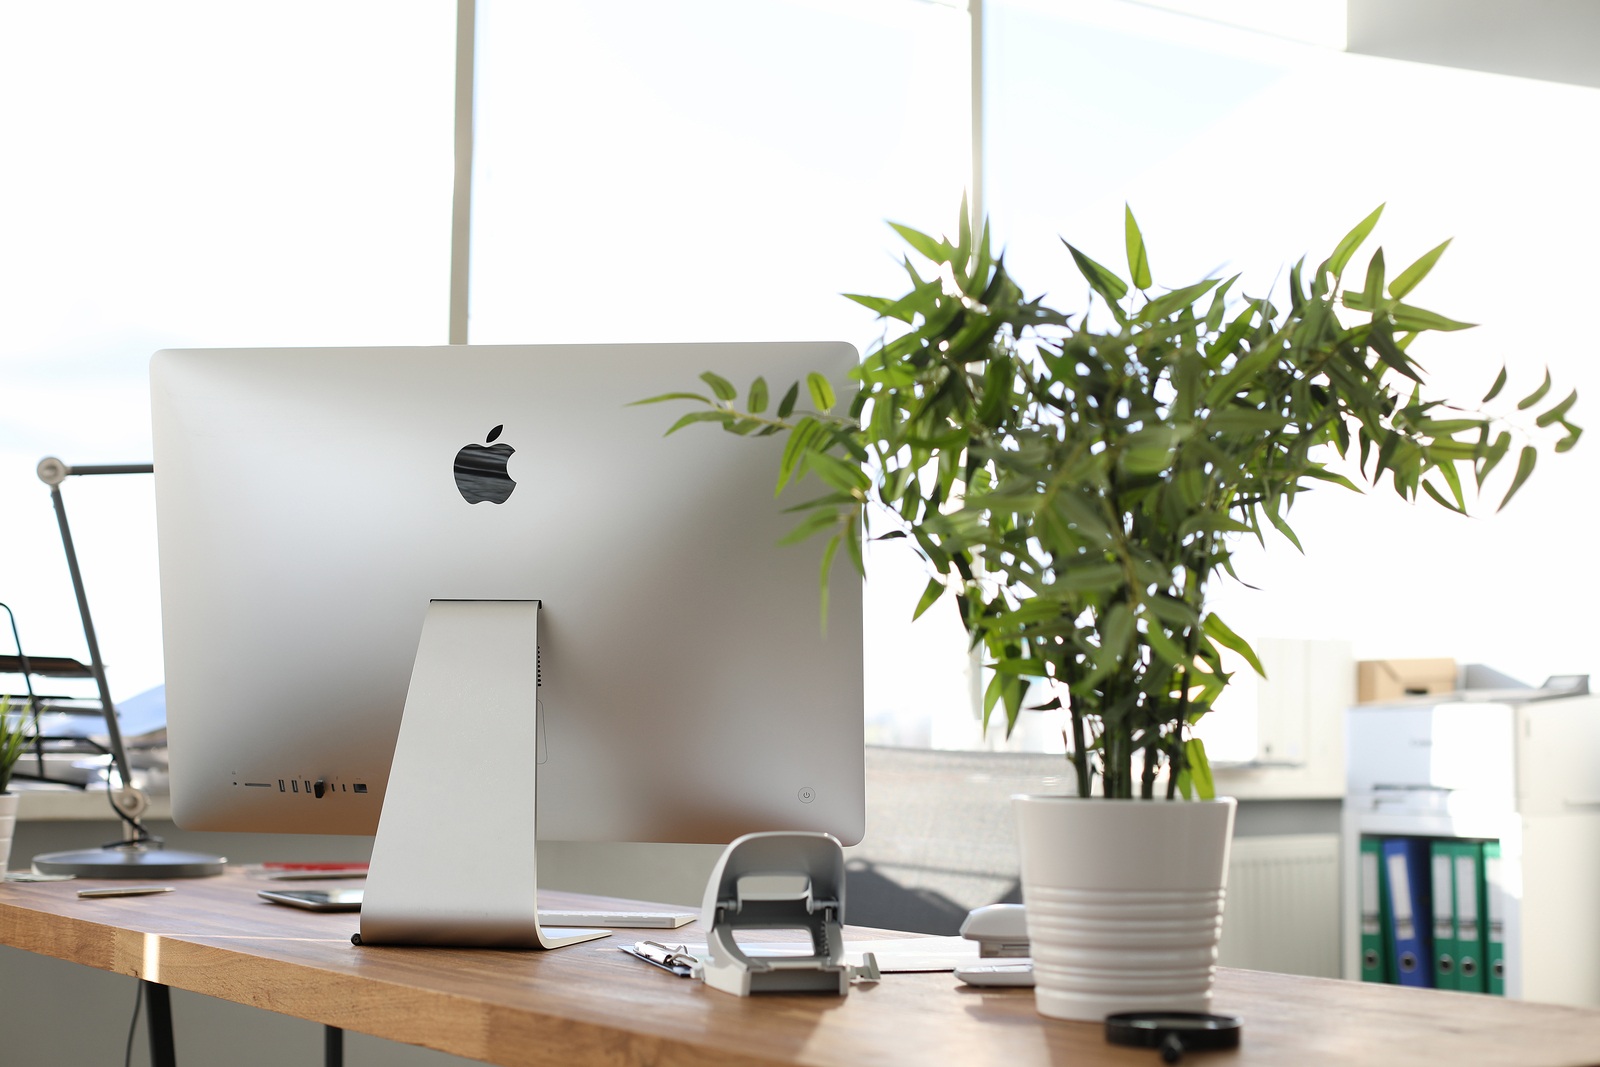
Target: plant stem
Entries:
(1147, 784)
(1080, 746)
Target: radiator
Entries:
(1282, 911)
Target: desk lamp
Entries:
(138, 854)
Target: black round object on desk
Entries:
(1174, 1032)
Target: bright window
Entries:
(1242, 152)
(716, 170)
(193, 173)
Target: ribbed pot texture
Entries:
(1124, 901)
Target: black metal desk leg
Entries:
(158, 1019)
(332, 1046)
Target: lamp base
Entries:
(133, 861)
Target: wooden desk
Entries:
(591, 1004)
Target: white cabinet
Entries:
(1524, 774)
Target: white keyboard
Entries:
(636, 920)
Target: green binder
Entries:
(1495, 909)
(1376, 965)
(1471, 971)
(1441, 855)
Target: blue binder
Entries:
(1410, 909)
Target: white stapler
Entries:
(1001, 931)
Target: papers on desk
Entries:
(898, 955)
(306, 872)
(908, 955)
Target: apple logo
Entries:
(481, 471)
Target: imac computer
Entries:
(466, 598)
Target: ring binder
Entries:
(1409, 909)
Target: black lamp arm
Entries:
(52, 472)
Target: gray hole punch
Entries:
(779, 881)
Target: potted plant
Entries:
(1074, 483)
(14, 737)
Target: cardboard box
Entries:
(1382, 680)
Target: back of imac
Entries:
(312, 502)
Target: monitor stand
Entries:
(454, 862)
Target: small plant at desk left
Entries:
(15, 733)
(14, 737)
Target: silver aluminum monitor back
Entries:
(308, 512)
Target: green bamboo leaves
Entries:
(15, 733)
(1101, 279)
(1408, 278)
(1073, 490)
(1350, 242)
(1138, 260)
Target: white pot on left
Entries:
(8, 821)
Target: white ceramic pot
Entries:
(8, 822)
(1124, 901)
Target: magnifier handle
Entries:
(1171, 1049)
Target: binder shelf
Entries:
(1432, 913)
(1471, 847)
